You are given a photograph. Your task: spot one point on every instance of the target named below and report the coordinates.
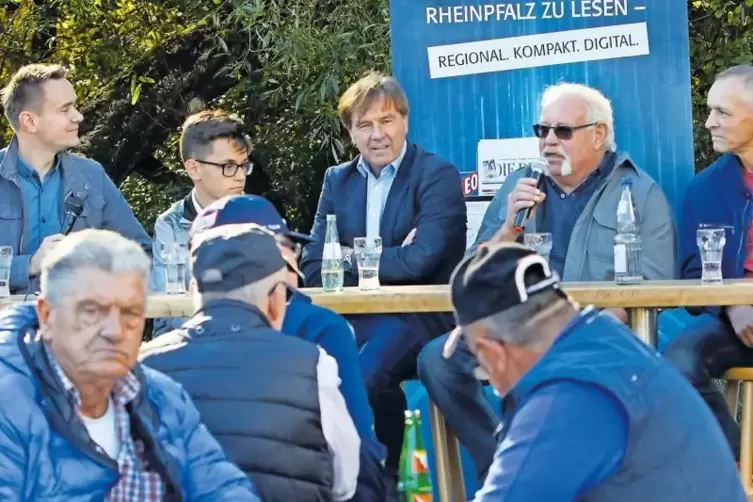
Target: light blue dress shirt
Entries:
(42, 203)
(377, 190)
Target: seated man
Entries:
(272, 401)
(578, 205)
(215, 152)
(311, 322)
(589, 412)
(79, 418)
(39, 178)
(721, 195)
(413, 200)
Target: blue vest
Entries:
(675, 448)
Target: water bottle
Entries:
(332, 258)
(628, 247)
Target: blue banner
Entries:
(474, 70)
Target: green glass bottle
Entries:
(420, 489)
(405, 477)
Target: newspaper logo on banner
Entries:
(544, 49)
(498, 158)
(469, 183)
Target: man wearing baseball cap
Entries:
(589, 412)
(271, 401)
(311, 322)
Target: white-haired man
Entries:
(80, 419)
(577, 204)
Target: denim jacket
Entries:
(172, 226)
(104, 208)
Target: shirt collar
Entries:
(196, 204)
(28, 172)
(125, 390)
(603, 170)
(364, 168)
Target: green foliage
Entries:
(141, 66)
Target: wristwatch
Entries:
(347, 260)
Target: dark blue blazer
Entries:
(426, 195)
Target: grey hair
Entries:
(744, 72)
(521, 325)
(599, 107)
(254, 294)
(101, 249)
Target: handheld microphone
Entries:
(73, 207)
(537, 170)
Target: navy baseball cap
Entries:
(245, 209)
(495, 278)
(233, 256)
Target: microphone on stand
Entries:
(73, 207)
(537, 170)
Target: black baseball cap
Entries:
(496, 277)
(232, 256)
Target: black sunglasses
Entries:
(230, 168)
(561, 131)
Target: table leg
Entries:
(643, 322)
(746, 448)
(450, 483)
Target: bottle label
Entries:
(620, 259)
(421, 497)
(420, 462)
(332, 251)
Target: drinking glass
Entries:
(368, 251)
(6, 257)
(711, 240)
(539, 242)
(175, 257)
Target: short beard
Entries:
(567, 167)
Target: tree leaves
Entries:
(140, 66)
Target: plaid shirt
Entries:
(136, 482)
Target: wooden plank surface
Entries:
(396, 299)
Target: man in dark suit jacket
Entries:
(410, 198)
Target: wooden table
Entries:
(641, 301)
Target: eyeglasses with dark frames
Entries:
(561, 131)
(229, 169)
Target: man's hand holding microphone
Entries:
(73, 206)
(522, 201)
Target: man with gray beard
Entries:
(577, 204)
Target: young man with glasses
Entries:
(577, 204)
(215, 151)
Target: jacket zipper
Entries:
(62, 206)
(22, 242)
